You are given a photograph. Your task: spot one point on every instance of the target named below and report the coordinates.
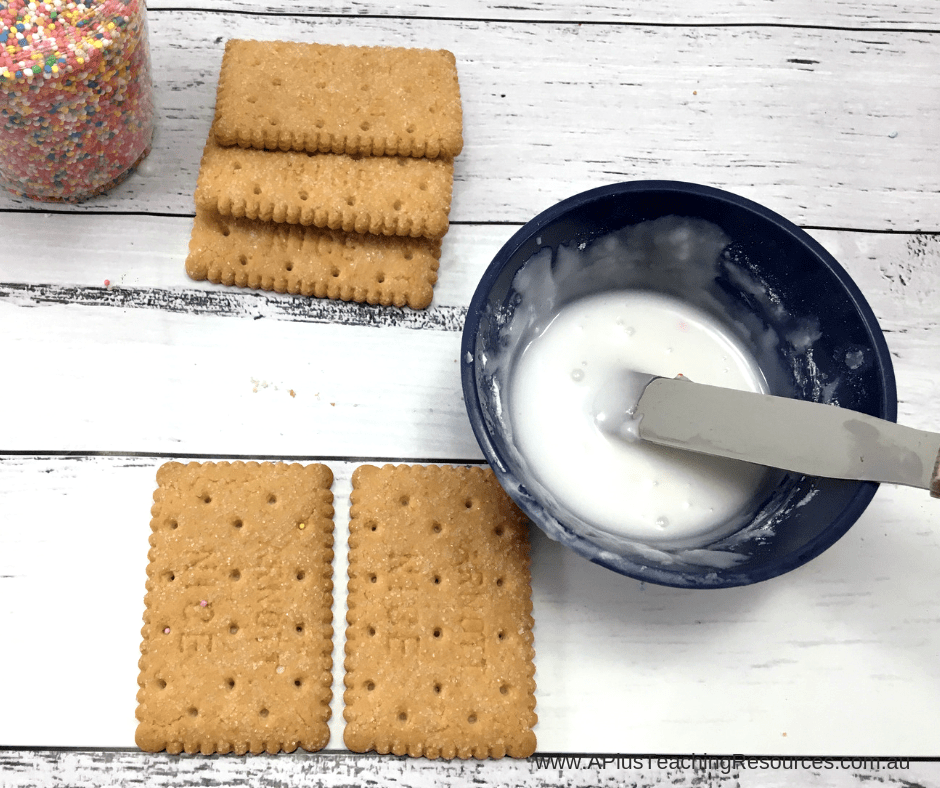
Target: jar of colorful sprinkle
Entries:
(76, 97)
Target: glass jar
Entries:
(76, 96)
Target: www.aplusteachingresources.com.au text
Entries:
(717, 764)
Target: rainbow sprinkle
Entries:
(76, 99)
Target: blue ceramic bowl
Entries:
(805, 321)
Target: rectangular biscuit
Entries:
(289, 258)
(375, 101)
(382, 195)
(237, 637)
(439, 639)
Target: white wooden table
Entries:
(825, 112)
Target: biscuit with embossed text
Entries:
(439, 654)
(237, 637)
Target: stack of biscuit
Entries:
(328, 171)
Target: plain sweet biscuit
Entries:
(382, 195)
(237, 638)
(439, 639)
(289, 258)
(391, 101)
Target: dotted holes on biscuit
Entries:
(257, 188)
(438, 633)
(161, 684)
(299, 629)
(243, 259)
(365, 125)
(472, 718)
(300, 574)
(436, 527)
(289, 265)
(410, 128)
(230, 683)
(371, 631)
(237, 523)
(298, 682)
(304, 195)
(404, 500)
(500, 635)
(172, 525)
(380, 277)
(372, 525)
(369, 685)
(396, 205)
(503, 689)
(233, 629)
(263, 713)
(437, 688)
(334, 272)
(226, 231)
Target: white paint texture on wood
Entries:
(837, 657)
(155, 362)
(50, 769)
(828, 127)
(824, 112)
(868, 14)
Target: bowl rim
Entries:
(864, 492)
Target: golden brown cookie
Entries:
(374, 269)
(237, 637)
(382, 195)
(439, 639)
(376, 101)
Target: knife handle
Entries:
(935, 482)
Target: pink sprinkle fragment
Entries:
(107, 283)
(166, 631)
(203, 603)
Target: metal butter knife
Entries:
(795, 435)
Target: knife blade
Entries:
(795, 435)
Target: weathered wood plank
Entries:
(867, 14)
(156, 362)
(837, 657)
(829, 127)
(86, 769)
(824, 112)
